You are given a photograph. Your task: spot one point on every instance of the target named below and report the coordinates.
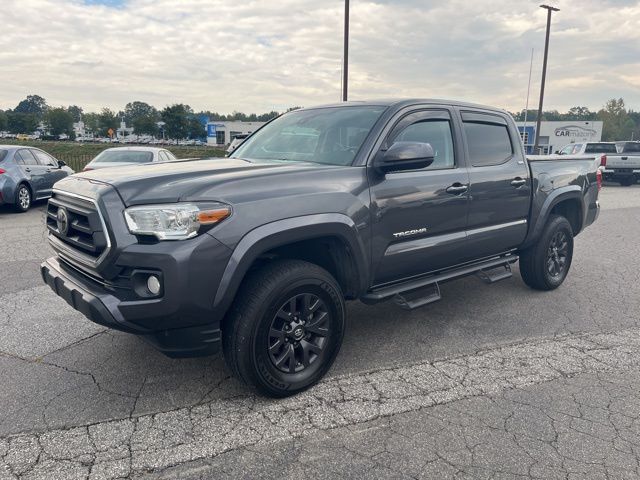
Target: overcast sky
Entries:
(255, 56)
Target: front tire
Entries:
(545, 265)
(23, 198)
(285, 327)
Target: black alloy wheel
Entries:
(298, 333)
(557, 254)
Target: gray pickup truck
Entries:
(624, 166)
(256, 254)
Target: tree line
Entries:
(619, 123)
(178, 121)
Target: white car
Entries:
(121, 156)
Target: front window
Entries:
(330, 136)
(124, 156)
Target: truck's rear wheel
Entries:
(285, 327)
(545, 265)
(627, 182)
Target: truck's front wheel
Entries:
(285, 328)
(545, 265)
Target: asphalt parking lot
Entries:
(492, 382)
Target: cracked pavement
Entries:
(492, 382)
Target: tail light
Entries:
(599, 179)
(2, 170)
(603, 160)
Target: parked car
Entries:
(236, 142)
(122, 156)
(588, 148)
(624, 166)
(257, 253)
(28, 174)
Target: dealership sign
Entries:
(575, 132)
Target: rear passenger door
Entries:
(500, 184)
(52, 172)
(33, 172)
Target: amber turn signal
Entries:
(207, 217)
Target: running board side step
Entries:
(494, 275)
(422, 291)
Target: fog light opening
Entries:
(153, 285)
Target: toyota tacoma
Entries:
(256, 254)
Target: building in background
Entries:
(223, 133)
(555, 135)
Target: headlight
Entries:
(175, 221)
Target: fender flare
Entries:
(570, 192)
(282, 232)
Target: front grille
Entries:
(76, 228)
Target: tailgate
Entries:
(623, 161)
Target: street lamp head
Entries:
(553, 9)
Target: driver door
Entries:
(419, 217)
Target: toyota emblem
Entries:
(62, 221)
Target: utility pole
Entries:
(544, 74)
(345, 57)
(526, 107)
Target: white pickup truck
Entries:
(624, 166)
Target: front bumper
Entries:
(181, 322)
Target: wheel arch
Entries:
(567, 202)
(331, 241)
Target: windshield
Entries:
(600, 148)
(127, 156)
(330, 136)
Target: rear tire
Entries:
(545, 265)
(285, 328)
(627, 182)
(23, 199)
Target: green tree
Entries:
(91, 122)
(579, 113)
(618, 125)
(18, 122)
(106, 119)
(137, 109)
(34, 105)
(195, 128)
(75, 111)
(145, 125)
(176, 119)
(60, 121)
(4, 121)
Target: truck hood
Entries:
(186, 180)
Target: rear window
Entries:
(600, 148)
(489, 143)
(631, 148)
(127, 156)
(3, 153)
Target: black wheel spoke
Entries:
(307, 349)
(298, 332)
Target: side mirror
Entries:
(61, 164)
(404, 156)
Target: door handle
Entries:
(518, 182)
(457, 188)
(27, 169)
(48, 170)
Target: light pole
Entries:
(345, 58)
(544, 74)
